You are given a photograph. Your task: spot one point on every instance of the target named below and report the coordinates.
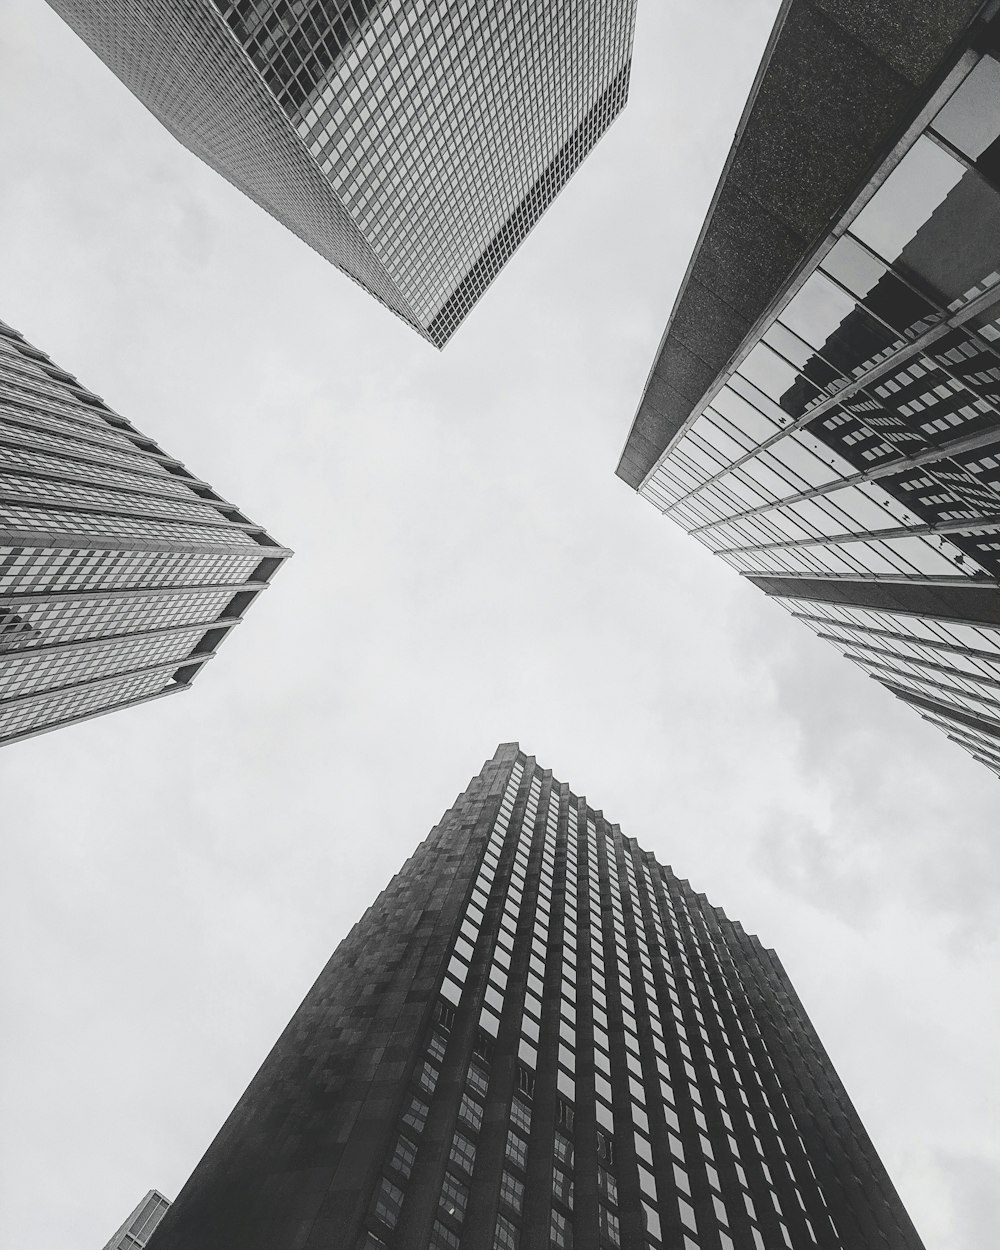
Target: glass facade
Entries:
(595, 1056)
(120, 573)
(416, 143)
(139, 1227)
(850, 463)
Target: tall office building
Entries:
(138, 1228)
(414, 145)
(824, 410)
(539, 1037)
(120, 572)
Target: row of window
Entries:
(781, 441)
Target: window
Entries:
(512, 1191)
(517, 1149)
(505, 1237)
(607, 1185)
(563, 1149)
(454, 1196)
(610, 1227)
(463, 1152)
(564, 1114)
(388, 1200)
(427, 1078)
(520, 1115)
(442, 1238)
(560, 1232)
(562, 1187)
(471, 1112)
(403, 1156)
(416, 1114)
(477, 1078)
(605, 1148)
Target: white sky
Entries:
(468, 571)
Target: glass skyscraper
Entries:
(413, 145)
(824, 411)
(121, 573)
(138, 1228)
(538, 1037)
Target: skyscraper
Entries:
(538, 1036)
(138, 1228)
(121, 573)
(824, 410)
(413, 146)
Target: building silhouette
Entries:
(537, 1036)
(121, 573)
(824, 410)
(138, 1228)
(413, 146)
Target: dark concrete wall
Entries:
(294, 1164)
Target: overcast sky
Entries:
(468, 570)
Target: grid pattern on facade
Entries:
(672, 1050)
(413, 145)
(139, 1227)
(181, 60)
(858, 440)
(104, 541)
(478, 156)
(538, 1035)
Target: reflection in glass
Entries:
(971, 118)
(907, 199)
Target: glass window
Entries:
(517, 1149)
(562, 1187)
(477, 1078)
(767, 370)
(388, 1201)
(560, 1231)
(907, 199)
(687, 1214)
(416, 1114)
(403, 1156)
(505, 1237)
(454, 1196)
(610, 1227)
(471, 1112)
(512, 1191)
(442, 1238)
(563, 1149)
(817, 310)
(520, 1115)
(971, 118)
(463, 1152)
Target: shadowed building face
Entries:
(538, 1036)
(824, 412)
(413, 145)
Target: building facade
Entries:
(414, 145)
(539, 1037)
(121, 573)
(824, 410)
(138, 1228)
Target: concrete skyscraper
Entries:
(121, 573)
(824, 410)
(536, 1037)
(414, 145)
